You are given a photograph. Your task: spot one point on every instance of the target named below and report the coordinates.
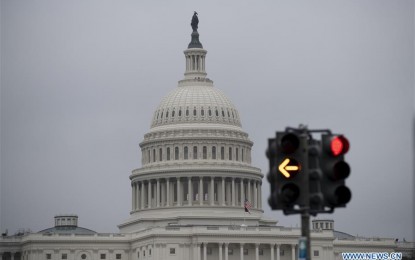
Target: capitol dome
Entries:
(196, 158)
(196, 101)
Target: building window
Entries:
(194, 112)
(237, 154)
(103, 256)
(222, 153)
(168, 153)
(186, 153)
(187, 112)
(172, 113)
(246, 251)
(138, 254)
(210, 112)
(64, 256)
(261, 251)
(160, 154)
(144, 253)
(204, 152)
(118, 256)
(209, 251)
(282, 252)
(230, 153)
(83, 256)
(242, 154)
(149, 158)
(316, 253)
(149, 252)
(230, 251)
(214, 152)
(180, 112)
(172, 251)
(202, 112)
(167, 114)
(194, 152)
(48, 256)
(176, 153)
(217, 113)
(154, 155)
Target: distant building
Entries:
(190, 197)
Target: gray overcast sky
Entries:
(80, 81)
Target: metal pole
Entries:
(305, 230)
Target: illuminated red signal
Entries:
(339, 145)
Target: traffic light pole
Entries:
(305, 231)
(305, 209)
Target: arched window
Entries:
(230, 153)
(187, 112)
(176, 153)
(194, 111)
(204, 152)
(223, 113)
(222, 153)
(236, 154)
(154, 155)
(167, 114)
(202, 112)
(172, 113)
(186, 153)
(214, 152)
(210, 112)
(242, 155)
(160, 154)
(217, 113)
(180, 112)
(194, 152)
(168, 153)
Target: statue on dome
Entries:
(195, 22)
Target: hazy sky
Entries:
(80, 81)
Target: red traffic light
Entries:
(339, 145)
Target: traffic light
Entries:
(335, 170)
(287, 154)
(315, 177)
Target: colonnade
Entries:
(224, 250)
(189, 191)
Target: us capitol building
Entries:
(188, 198)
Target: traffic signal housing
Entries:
(287, 154)
(335, 170)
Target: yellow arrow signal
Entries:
(284, 168)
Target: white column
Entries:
(190, 190)
(212, 191)
(242, 193)
(158, 193)
(142, 195)
(249, 191)
(256, 251)
(272, 251)
(223, 191)
(133, 197)
(163, 194)
(226, 251)
(201, 190)
(278, 252)
(292, 252)
(233, 191)
(241, 249)
(220, 250)
(259, 195)
(255, 194)
(149, 194)
(168, 192)
(179, 193)
(137, 197)
(204, 252)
